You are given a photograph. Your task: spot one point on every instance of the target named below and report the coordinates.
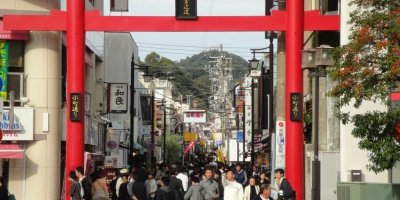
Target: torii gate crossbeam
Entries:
(75, 22)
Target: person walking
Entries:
(123, 189)
(209, 186)
(184, 178)
(194, 192)
(285, 189)
(100, 191)
(119, 180)
(251, 190)
(233, 189)
(176, 185)
(138, 187)
(86, 186)
(75, 189)
(151, 186)
(164, 192)
(263, 178)
(265, 193)
(240, 175)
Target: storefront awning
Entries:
(11, 151)
(12, 35)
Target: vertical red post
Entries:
(75, 84)
(294, 83)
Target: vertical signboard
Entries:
(75, 107)
(280, 144)
(3, 68)
(248, 109)
(295, 107)
(186, 9)
(118, 97)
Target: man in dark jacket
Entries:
(138, 187)
(285, 189)
(86, 186)
(175, 185)
(164, 192)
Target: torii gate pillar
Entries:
(294, 84)
(76, 82)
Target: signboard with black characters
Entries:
(295, 107)
(186, 9)
(117, 97)
(75, 112)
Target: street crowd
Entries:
(210, 181)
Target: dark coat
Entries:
(165, 193)
(75, 191)
(139, 190)
(3, 193)
(176, 186)
(123, 192)
(287, 189)
(87, 189)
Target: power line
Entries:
(179, 49)
(173, 45)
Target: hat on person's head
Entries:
(123, 171)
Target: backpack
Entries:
(129, 187)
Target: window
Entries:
(16, 84)
(16, 54)
(91, 2)
(119, 5)
(330, 7)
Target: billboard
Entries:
(194, 116)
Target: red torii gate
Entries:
(75, 22)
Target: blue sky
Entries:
(180, 45)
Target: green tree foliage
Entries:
(189, 76)
(367, 69)
(174, 148)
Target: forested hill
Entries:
(189, 75)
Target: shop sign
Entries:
(194, 116)
(118, 97)
(186, 9)
(295, 107)
(280, 144)
(75, 107)
(22, 127)
(3, 68)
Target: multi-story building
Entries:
(37, 77)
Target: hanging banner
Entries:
(112, 141)
(3, 68)
(145, 102)
(280, 145)
(118, 97)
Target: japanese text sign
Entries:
(118, 97)
(186, 9)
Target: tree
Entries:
(368, 69)
(174, 149)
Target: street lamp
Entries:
(163, 106)
(132, 108)
(253, 65)
(316, 60)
